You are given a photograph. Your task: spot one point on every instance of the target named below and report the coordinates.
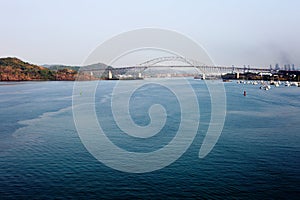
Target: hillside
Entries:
(59, 67)
(14, 69)
(96, 66)
(97, 71)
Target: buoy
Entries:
(245, 93)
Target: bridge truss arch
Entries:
(199, 66)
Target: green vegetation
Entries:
(14, 69)
(60, 67)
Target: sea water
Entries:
(41, 154)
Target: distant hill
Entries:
(14, 69)
(97, 66)
(89, 72)
(58, 67)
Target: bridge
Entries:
(188, 63)
(201, 68)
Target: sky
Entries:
(233, 32)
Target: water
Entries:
(42, 157)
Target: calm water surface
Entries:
(42, 157)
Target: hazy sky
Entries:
(255, 32)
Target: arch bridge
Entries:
(201, 68)
(188, 63)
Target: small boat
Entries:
(287, 84)
(202, 77)
(265, 87)
(294, 84)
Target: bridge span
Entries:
(182, 63)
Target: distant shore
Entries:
(279, 75)
(14, 70)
